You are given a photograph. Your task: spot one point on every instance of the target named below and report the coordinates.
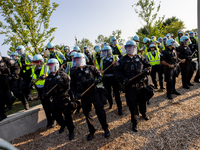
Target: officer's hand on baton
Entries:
(114, 62)
(183, 60)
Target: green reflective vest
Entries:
(115, 57)
(42, 72)
(154, 60)
(26, 62)
(57, 57)
(95, 60)
(69, 65)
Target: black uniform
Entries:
(109, 81)
(127, 68)
(187, 69)
(90, 58)
(98, 57)
(60, 103)
(116, 51)
(170, 56)
(9, 71)
(25, 79)
(81, 80)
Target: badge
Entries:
(110, 60)
(117, 64)
(137, 59)
(86, 71)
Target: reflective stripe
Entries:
(57, 57)
(115, 57)
(26, 62)
(42, 72)
(95, 60)
(69, 64)
(154, 60)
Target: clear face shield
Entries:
(53, 67)
(191, 35)
(131, 49)
(176, 44)
(164, 40)
(79, 61)
(106, 53)
(160, 40)
(19, 51)
(38, 63)
(13, 57)
(50, 50)
(114, 42)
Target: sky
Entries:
(90, 18)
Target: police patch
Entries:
(117, 64)
(137, 59)
(86, 71)
(110, 60)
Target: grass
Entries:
(18, 106)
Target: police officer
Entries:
(97, 56)
(90, 60)
(67, 53)
(147, 43)
(116, 49)
(137, 40)
(69, 64)
(109, 79)
(81, 79)
(187, 69)
(154, 59)
(40, 71)
(129, 66)
(8, 70)
(14, 56)
(54, 54)
(60, 104)
(194, 46)
(169, 58)
(25, 62)
(180, 34)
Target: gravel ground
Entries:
(173, 124)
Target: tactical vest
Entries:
(154, 60)
(96, 60)
(116, 50)
(26, 61)
(69, 65)
(35, 77)
(105, 63)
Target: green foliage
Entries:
(101, 39)
(146, 12)
(27, 23)
(85, 42)
(168, 21)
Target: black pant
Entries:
(24, 85)
(46, 105)
(14, 87)
(170, 78)
(112, 82)
(197, 75)
(62, 106)
(134, 98)
(187, 71)
(156, 68)
(87, 100)
(3, 100)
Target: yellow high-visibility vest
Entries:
(26, 62)
(154, 60)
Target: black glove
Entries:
(146, 71)
(42, 77)
(9, 78)
(44, 95)
(98, 80)
(78, 96)
(126, 81)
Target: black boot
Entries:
(110, 106)
(134, 128)
(191, 84)
(71, 135)
(2, 116)
(50, 124)
(106, 133)
(120, 112)
(186, 87)
(169, 96)
(148, 102)
(62, 128)
(90, 136)
(145, 117)
(175, 92)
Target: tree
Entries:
(168, 21)
(85, 42)
(145, 12)
(101, 39)
(26, 23)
